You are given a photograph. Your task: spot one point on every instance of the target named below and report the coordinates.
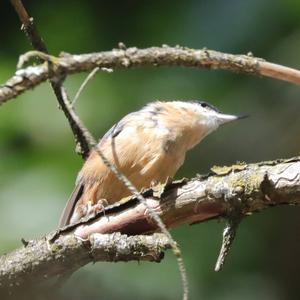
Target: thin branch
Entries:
(29, 27)
(30, 77)
(279, 72)
(83, 85)
(255, 186)
(56, 79)
(229, 234)
(86, 81)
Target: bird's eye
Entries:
(204, 104)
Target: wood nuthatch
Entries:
(147, 146)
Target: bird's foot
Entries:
(86, 211)
(94, 209)
(98, 207)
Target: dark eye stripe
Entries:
(205, 104)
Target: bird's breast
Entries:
(143, 155)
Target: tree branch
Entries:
(243, 188)
(32, 76)
(56, 80)
(239, 188)
(40, 260)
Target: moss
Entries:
(249, 181)
(239, 166)
(55, 248)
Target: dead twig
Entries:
(83, 85)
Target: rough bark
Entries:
(40, 260)
(236, 190)
(32, 76)
(239, 189)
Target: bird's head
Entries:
(210, 118)
(192, 120)
(186, 122)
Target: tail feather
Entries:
(69, 208)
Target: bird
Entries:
(147, 146)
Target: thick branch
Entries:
(242, 188)
(30, 77)
(40, 260)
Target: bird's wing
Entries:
(112, 132)
(69, 208)
(78, 191)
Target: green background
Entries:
(38, 164)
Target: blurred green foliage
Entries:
(38, 164)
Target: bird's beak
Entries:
(223, 118)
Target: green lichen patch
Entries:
(225, 170)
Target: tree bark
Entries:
(32, 76)
(239, 189)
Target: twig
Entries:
(229, 234)
(88, 78)
(233, 218)
(85, 82)
(279, 72)
(30, 77)
(37, 43)
(24, 58)
(29, 27)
